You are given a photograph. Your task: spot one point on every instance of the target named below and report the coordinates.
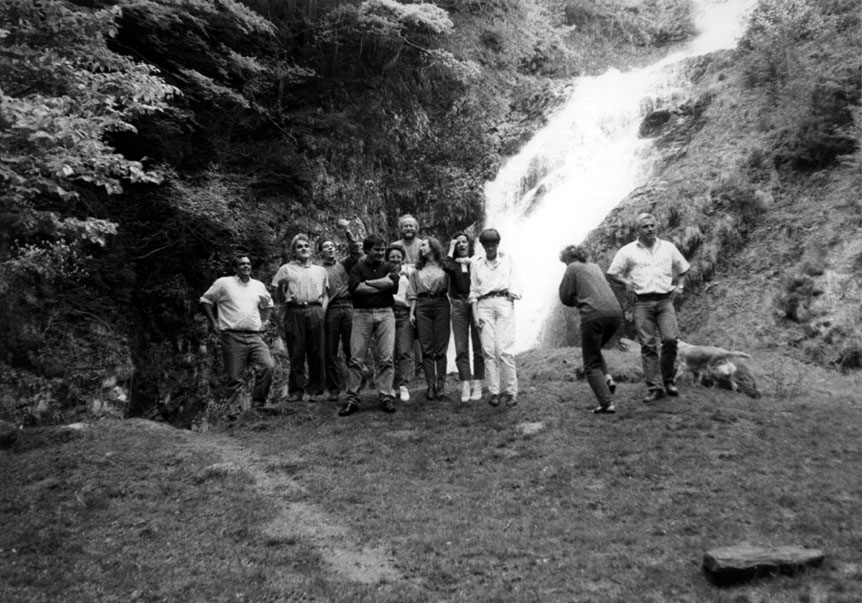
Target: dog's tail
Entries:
(735, 354)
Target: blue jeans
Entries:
(465, 332)
(371, 327)
(655, 321)
(240, 350)
(595, 334)
(338, 323)
(432, 323)
(404, 338)
(303, 336)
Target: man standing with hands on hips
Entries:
(244, 306)
(647, 268)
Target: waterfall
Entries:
(586, 160)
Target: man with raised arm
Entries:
(653, 270)
(238, 308)
(339, 313)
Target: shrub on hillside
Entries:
(807, 55)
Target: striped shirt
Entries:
(304, 284)
(650, 269)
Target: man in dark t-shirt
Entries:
(372, 284)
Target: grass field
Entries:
(443, 502)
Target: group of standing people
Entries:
(376, 305)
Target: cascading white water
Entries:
(585, 161)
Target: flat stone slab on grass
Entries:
(737, 563)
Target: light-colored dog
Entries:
(711, 365)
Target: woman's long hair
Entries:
(470, 249)
(436, 253)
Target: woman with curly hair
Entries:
(429, 312)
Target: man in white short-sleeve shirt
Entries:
(238, 308)
(653, 270)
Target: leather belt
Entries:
(653, 296)
(426, 295)
(302, 304)
(503, 293)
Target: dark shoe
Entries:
(604, 410)
(612, 386)
(348, 409)
(430, 394)
(441, 394)
(509, 399)
(494, 400)
(387, 404)
(653, 396)
(671, 390)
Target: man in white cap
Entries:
(653, 270)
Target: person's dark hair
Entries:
(436, 253)
(469, 244)
(371, 241)
(323, 242)
(395, 247)
(237, 258)
(489, 236)
(573, 253)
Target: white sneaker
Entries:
(476, 393)
(465, 391)
(403, 393)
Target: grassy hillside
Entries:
(448, 503)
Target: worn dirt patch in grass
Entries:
(345, 558)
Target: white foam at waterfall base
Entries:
(587, 159)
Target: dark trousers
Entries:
(241, 350)
(303, 335)
(432, 324)
(595, 333)
(465, 333)
(337, 325)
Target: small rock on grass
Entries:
(8, 434)
(741, 562)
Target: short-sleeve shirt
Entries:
(305, 284)
(650, 269)
(238, 303)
